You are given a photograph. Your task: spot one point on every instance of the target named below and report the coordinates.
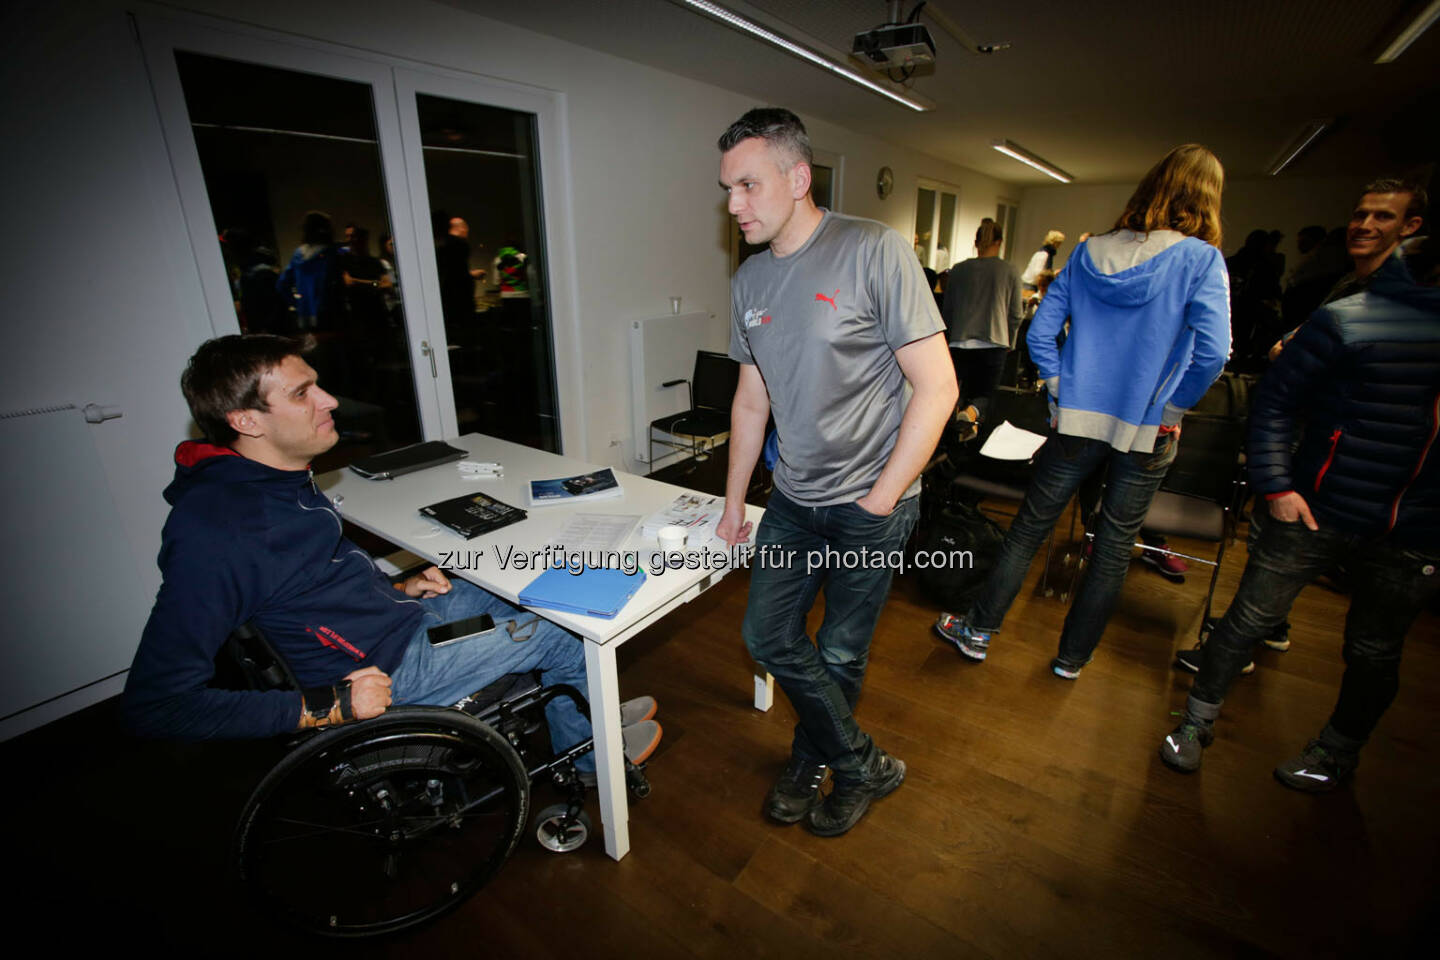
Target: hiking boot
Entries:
(797, 790)
(971, 644)
(1318, 769)
(1190, 660)
(847, 802)
(1280, 639)
(1182, 747)
(637, 710)
(1170, 567)
(1068, 669)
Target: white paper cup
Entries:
(671, 538)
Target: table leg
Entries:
(764, 691)
(604, 682)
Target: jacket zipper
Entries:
(1419, 464)
(1163, 383)
(1334, 442)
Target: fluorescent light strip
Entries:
(1422, 22)
(1031, 160)
(730, 18)
(1303, 139)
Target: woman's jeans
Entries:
(1064, 463)
(1389, 585)
(852, 555)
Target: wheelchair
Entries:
(379, 825)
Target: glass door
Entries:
(475, 149)
(291, 182)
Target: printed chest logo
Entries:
(755, 317)
(830, 299)
(332, 639)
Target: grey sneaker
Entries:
(1068, 669)
(1182, 747)
(797, 790)
(639, 741)
(847, 803)
(637, 710)
(1318, 769)
(958, 633)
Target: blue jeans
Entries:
(522, 641)
(1063, 465)
(851, 554)
(1389, 585)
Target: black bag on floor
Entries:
(948, 577)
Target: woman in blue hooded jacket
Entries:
(1148, 307)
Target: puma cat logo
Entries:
(830, 300)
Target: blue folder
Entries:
(594, 593)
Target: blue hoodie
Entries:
(1149, 333)
(244, 542)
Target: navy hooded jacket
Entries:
(1363, 373)
(244, 542)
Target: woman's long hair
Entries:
(1182, 193)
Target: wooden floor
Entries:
(1036, 819)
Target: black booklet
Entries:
(473, 514)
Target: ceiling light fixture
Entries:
(1422, 22)
(1299, 142)
(1012, 149)
(732, 19)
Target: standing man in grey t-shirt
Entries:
(838, 336)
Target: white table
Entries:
(389, 509)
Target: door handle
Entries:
(426, 350)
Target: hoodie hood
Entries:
(1393, 281)
(1126, 269)
(199, 461)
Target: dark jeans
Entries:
(799, 550)
(1389, 585)
(1063, 465)
(979, 373)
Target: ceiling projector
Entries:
(895, 45)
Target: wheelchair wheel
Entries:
(560, 833)
(380, 825)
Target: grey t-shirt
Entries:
(982, 302)
(822, 325)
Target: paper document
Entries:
(1009, 442)
(596, 531)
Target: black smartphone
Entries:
(461, 629)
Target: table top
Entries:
(390, 509)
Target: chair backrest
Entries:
(248, 662)
(1208, 464)
(715, 380)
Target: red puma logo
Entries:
(830, 300)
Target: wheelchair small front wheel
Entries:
(559, 832)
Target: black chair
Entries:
(379, 825)
(707, 423)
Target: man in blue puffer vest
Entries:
(1363, 486)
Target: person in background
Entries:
(311, 281)
(982, 312)
(1149, 321)
(1042, 259)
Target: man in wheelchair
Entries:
(250, 539)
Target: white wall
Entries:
(1280, 203)
(103, 295)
